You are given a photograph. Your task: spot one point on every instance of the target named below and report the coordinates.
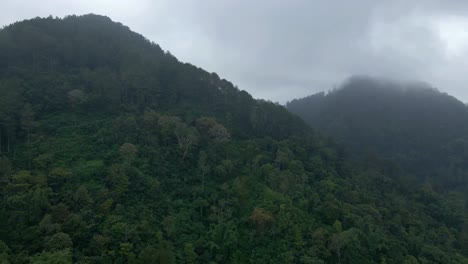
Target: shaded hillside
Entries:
(90, 63)
(113, 151)
(421, 129)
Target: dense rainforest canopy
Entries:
(113, 151)
(420, 129)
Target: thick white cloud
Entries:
(280, 50)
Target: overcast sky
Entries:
(281, 50)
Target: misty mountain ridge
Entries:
(370, 84)
(114, 151)
(413, 124)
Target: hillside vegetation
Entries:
(113, 151)
(418, 128)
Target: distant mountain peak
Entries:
(396, 119)
(369, 83)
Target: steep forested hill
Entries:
(419, 128)
(113, 151)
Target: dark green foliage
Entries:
(414, 126)
(115, 152)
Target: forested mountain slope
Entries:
(113, 151)
(419, 128)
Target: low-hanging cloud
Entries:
(281, 50)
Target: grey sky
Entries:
(281, 50)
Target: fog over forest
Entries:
(233, 132)
(280, 51)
